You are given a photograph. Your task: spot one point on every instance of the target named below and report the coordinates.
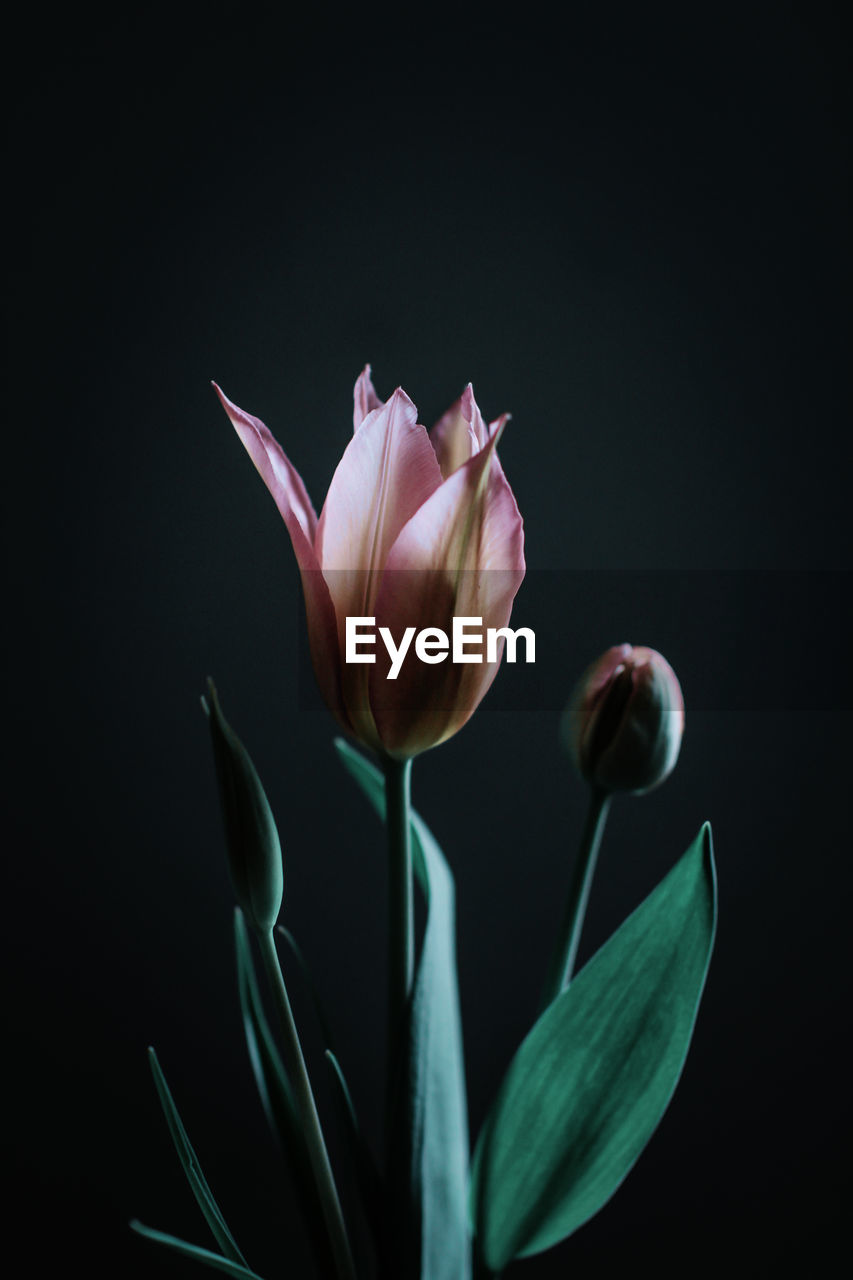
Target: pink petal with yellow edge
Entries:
(461, 554)
(459, 433)
(364, 398)
(388, 470)
(291, 497)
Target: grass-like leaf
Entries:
(310, 986)
(267, 1067)
(362, 1167)
(213, 1260)
(591, 1081)
(438, 1118)
(192, 1168)
(277, 1096)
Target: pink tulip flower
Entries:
(416, 528)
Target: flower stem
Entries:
(401, 968)
(401, 910)
(309, 1119)
(565, 953)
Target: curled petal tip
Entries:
(235, 413)
(497, 428)
(364, 399)
(460, 433)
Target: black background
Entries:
(628, 226)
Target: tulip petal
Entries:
(387, 472)
(364, 398)
(291, 497)
(277, 472)
(459, 433)
(461, 554)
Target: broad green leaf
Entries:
(438, 1116)
(213, 1260)
(277, 1096)
(589, 1084)
(192, 1168)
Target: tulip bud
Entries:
(624, 723)
(254, 852)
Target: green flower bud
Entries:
(625, 720)
(254, 852)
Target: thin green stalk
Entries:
(565, 953)
(401, 970)
(401, 908)
(309, 1119)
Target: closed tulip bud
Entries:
(625, 720)
(254, 852)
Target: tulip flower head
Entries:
(417, 528)
(625, 720)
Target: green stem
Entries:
(308, 1117)
(565, 953)
(401, 908)
(401, 970)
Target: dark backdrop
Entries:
(625, 224)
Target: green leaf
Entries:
(192, 1168)
(360, 1155)
(251, 838)
(277, 1096)
(362, 1165)
(589, 1084)
(213, 1260)
(438, 1116)
(270, 1075)
(310, 985)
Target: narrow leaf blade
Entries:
(191, 1166)
(362, 1165)
(590, 1083)
(361, 1158)
(213, 1260)
(310, 986)
(270, 1076)
(277, 1095)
